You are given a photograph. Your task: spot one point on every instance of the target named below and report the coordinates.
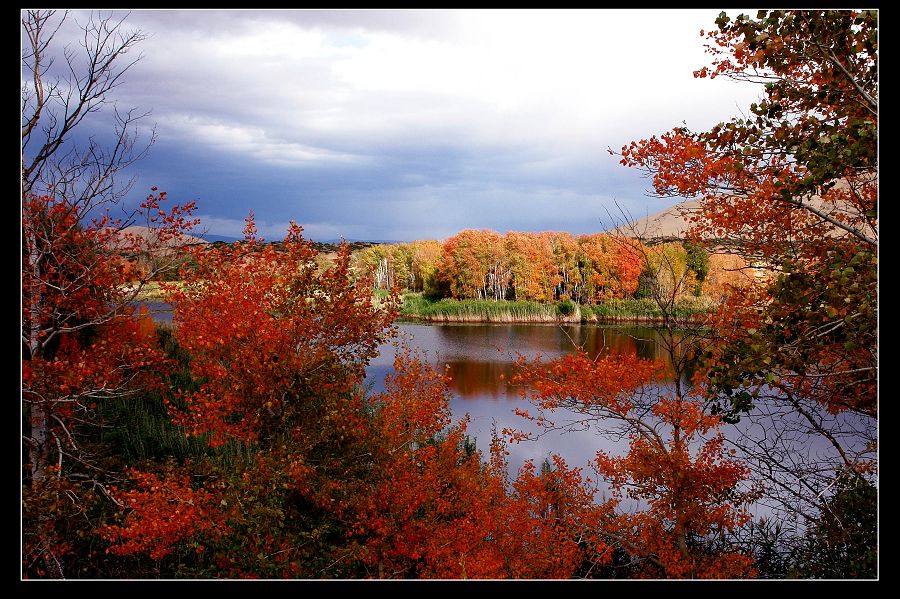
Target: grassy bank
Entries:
(642, 310)
(416, 307)
(449, 310)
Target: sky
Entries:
(411, 124)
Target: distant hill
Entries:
(333, 246)
(149, 236)
(366, 241)
(328, 246)
(671, 223)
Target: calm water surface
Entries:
(479, 359)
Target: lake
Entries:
(479, 359)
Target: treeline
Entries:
(545, 267)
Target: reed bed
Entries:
(417, 307)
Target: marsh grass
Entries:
(417, 307)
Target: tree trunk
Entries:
(39, 452)
(39, 449)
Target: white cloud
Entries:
(561, 78)
(253, 142)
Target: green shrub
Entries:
(697, 261)
(646, 284)
(587, 313)
(565, 307)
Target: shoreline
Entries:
(615, 311)
(614, 320)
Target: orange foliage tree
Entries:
(546, 266)
(82, 344)
(440, 511)
(278, 349)
(82, 350)
(532, 264)
(691, 494)
(472, 263)
(609, 268)
(688, 489)
(792, 187)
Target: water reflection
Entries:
(485, 380)
(479, 359)
(481, 341)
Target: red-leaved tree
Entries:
(687, 488)
(83, 344)
(793, 188)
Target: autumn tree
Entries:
(545, 266)
(81, 345)
(565, 258)
(687, 488)
(388, 265)
(609, 269)
(278, 349)
(440, 510)
(550, 524)
(532, 265)
(74, 253)
(426, 254)
(728, 273)
(793, 188)
(473, 265)
(690, 492)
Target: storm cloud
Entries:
(408, 124)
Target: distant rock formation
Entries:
(670, 224)
(149, 239)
